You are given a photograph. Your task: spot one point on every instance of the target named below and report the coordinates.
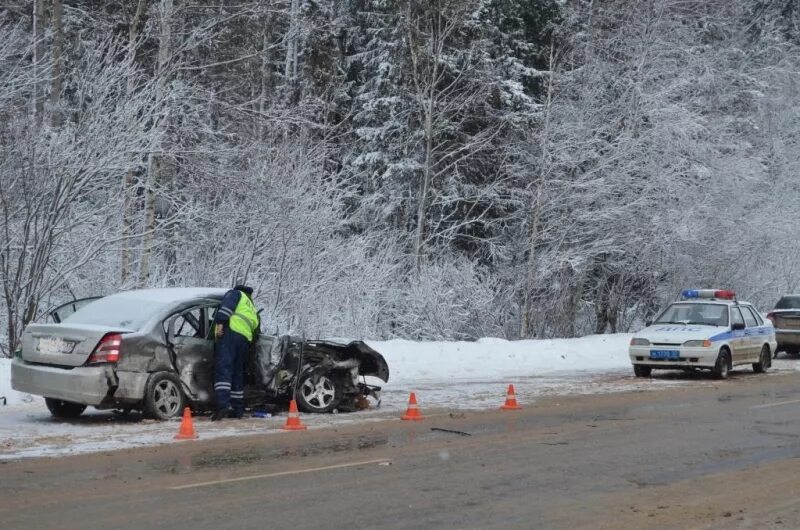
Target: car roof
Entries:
(170, 295)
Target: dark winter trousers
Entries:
(229, 362)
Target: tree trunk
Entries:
(429, 108)
(426, 181)
(266, 83)
(128, 179)
(149, 222)
(290, 67)
(156, 162)
(58, 45)
(536, 206)
(39, 50)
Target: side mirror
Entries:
(648, 323)
(737, 326)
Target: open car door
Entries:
(188, 336)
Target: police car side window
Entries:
(736, 316)
(759, 320)
(749, 319)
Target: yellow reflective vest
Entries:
(244, 319)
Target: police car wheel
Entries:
(722, 366)
(641, 370)
(764, 360)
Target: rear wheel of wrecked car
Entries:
(322, 394)
(163, 398)
(640, 370)
(764, 360)
(64, 409)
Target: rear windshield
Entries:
(788, 302)
(116, 312)
(694, 313)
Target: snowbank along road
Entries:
(452, 376)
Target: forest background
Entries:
(426, 169)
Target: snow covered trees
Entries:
(58, 219)
(425, 169)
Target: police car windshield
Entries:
(694, 313)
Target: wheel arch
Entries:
(726, 348)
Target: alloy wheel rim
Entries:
(167, 398)
(319, 395)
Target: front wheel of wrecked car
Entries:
(64, 409)
(163, 398)
(319, 394)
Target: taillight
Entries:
(107, 350)
(771, 317)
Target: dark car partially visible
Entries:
(786, 319)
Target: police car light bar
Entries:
(709, 293)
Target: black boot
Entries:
(221, 414)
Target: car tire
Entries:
(163, 397)
(640, 370)
(723, 365)
(64, 409)
(764, 360)
(324, 396)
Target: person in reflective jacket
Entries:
(236, 326)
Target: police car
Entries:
(707, 329)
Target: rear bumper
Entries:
(88, 385)
(788, 337)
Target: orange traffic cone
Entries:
(186, 431)
(413, 412)
(293, 422)
(511, 400)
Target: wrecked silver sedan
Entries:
(151, 350)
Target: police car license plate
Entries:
(664, 354)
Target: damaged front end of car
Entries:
(322, 376)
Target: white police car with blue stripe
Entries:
(707, 329)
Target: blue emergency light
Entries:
(709, 293)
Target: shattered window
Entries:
(189, 324)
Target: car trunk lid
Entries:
(62, 344)
(787, 319)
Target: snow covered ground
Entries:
(445, 375)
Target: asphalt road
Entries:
(712, 456)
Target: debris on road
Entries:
(462, 433)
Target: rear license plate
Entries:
(54, 346)
(664, 354)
